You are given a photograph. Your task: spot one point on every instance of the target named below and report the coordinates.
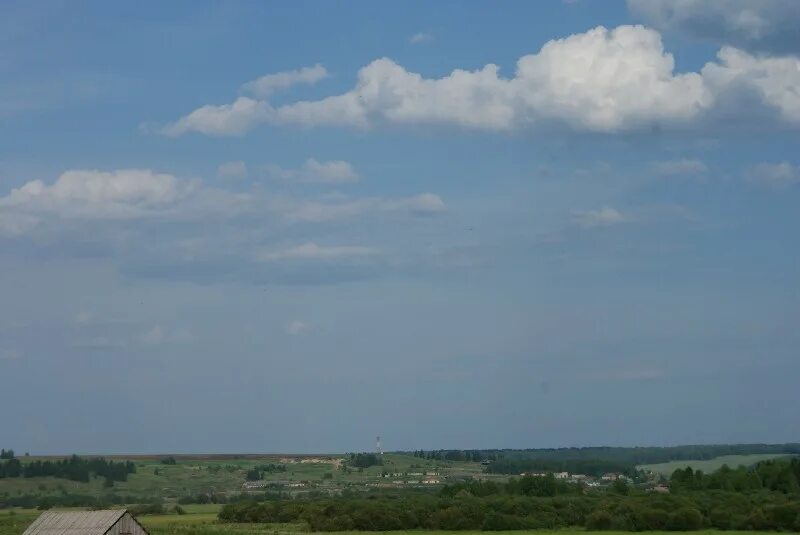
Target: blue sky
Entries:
(295, 226)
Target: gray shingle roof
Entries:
(74, 522)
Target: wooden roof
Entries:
(75, 522)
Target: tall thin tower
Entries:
(378, 448)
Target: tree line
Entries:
(475, 456)
(598, 511)
(776, 475)
(628, 456)
(591, 467)
(364, 460)
(73, 468)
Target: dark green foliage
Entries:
(777, 475)
(364, 460)
(169, 460)
(503, 511)
(6, 454)
(271, 468)
(154, 508)
(593, 467)
(30, 501)
(73, 468)
(597, 460)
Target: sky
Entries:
(294, 226)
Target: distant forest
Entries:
(598, 460)
(73, 468)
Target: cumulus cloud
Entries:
(775, 175)
(598, 81)
(680, 167)
(771, 81)
(313, 252)
(604, 217)
(420, 38)
(316, 172)
(235, 169)
(768, 25)
(266, 85)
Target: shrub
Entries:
(599, 520)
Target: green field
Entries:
(193, 475)
(710, 465)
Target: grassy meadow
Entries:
(191, 476)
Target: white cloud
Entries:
(420, 38)
(683, 166)
(245, 112)
(772, 80)
(226, 120)
(313, 252)
(604, 217)
(761, 24)
(90, 193)
(118, 195)
(775, 175)
(266, 85)
(235, 169)
(315, 172)
(296, 327)
(598, 81)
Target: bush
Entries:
(599, 520)
(685, 519)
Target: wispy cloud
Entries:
(296, 328)
(270, 83)
(234, 169)
(313, 252)
(316, 172)
(681, 167)
(420, 38)
(604, 217)
(774, 175)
